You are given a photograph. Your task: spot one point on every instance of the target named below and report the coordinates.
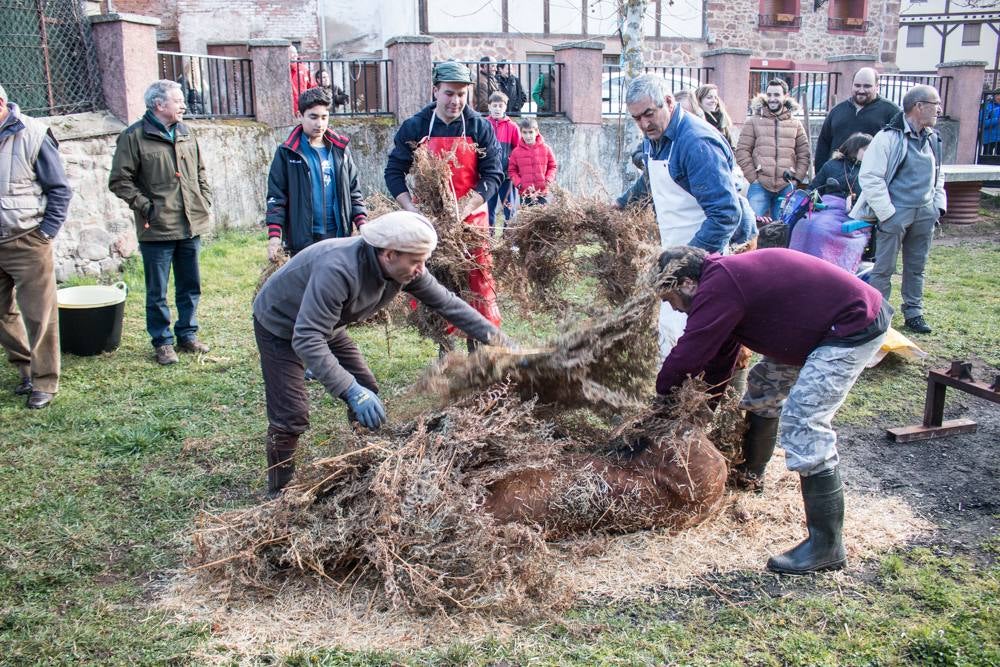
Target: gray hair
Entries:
(648, 86)
(916, 94)
(3, 94)
(158, 91)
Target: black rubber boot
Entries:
(758, 446)
(823, 496)
(280, 460)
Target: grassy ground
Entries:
(100, 488)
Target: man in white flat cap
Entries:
(301, 314)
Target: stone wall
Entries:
(100, 232)
(734, 24)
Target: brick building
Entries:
(780, 33)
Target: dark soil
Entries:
(954, 482)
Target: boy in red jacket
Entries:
(532, 165)
(509, 138)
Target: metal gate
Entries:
(988, 134)
(47, 60)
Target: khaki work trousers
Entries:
(31, 336)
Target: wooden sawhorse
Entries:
(959, 376)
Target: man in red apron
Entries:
(450, 124)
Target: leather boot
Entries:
(758, 446)
(823, 496)
(280, 459)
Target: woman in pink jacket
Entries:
(532, 166)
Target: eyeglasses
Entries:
(936, 103)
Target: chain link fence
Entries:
(47, 60)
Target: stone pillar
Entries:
(846, 67)
(963, 93)
(411, 75)
(579, 80)
(126, 57)
(272, 82)
(731, 73)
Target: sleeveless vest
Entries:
(22, 203)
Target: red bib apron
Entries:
(464, 176)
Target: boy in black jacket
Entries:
(312, 188)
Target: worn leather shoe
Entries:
(165, 355)
(918, 325)
(194, 346)
(39, 399)
(23, 387)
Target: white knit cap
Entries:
(402, 231)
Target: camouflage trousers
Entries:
(806, 398)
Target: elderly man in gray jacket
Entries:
(902, 192)
(301, 314)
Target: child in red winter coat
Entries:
(532, 166)
(508, 137)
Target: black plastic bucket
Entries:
(90, 318)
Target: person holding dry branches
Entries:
(817, 328)
(688, 174)
(450, 126)
(301, 314)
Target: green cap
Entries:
(451, 71)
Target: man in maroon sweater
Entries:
(817, 326)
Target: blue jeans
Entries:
(767, 203)
(506, 194)
(157, 258)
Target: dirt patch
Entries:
(954, 482)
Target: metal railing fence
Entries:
(817, 90)
(214, 86)
(47, 60)
(895, 86)
(540, 84)
(677, 77)
(357, 87)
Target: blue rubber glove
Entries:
(366, 405)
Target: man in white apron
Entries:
(689, 176)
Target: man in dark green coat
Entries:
(158, 171)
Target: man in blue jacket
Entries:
(312, 188)
(688, 174)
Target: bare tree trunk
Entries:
(632, 63)
(632, 25)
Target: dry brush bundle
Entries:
(602, 363)
(456, 252)
(269, 269)
(665, 473)
(378, 204)
(403, 510)
(540, 250)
